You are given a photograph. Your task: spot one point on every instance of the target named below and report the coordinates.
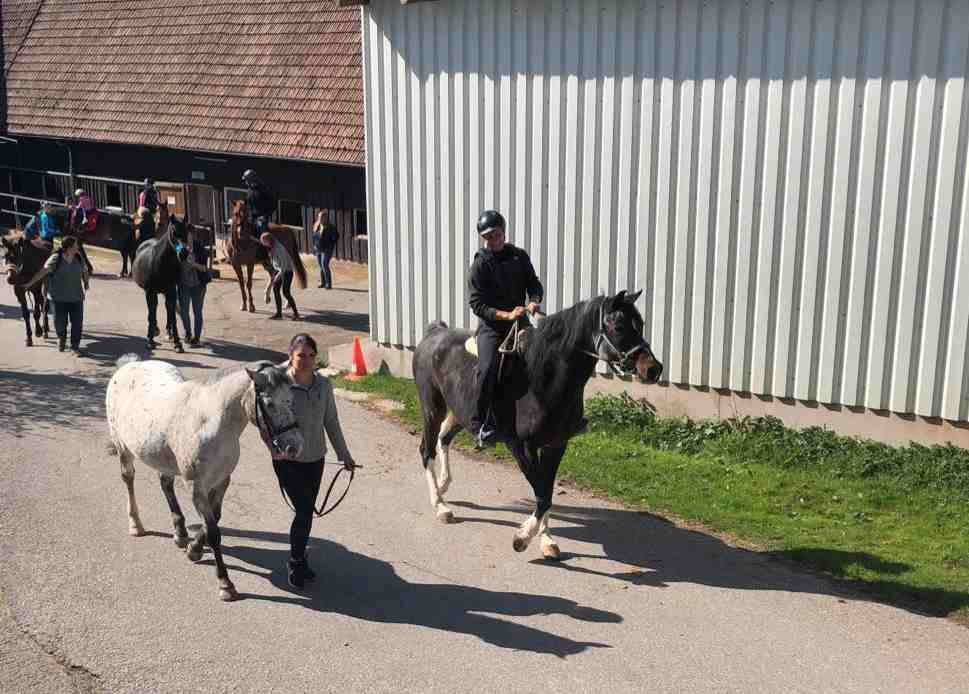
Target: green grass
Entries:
(892, 521)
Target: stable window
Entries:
(359, 222)
(291, 213)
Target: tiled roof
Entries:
(263, 77)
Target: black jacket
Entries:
(261, 202)
(502, 281)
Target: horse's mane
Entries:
(562, 333)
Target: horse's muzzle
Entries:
(291, 451)
(648, 368)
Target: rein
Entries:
(273, 435)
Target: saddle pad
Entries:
(471, 346)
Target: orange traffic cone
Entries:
(359, 364)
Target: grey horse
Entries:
(191, 429)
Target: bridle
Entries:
(271, 433)
(601, 337)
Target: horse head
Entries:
(273, 411)
(12, 255)
(620, 342)
(240, 219)
(178, 230)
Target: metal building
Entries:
(786, 179)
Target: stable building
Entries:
(101, 94)
(786, 180)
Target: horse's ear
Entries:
(257, 377)
(632, 298)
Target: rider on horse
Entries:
(42, 227)
(260, 200)
(500, 280)
(83, 210)
(148, 200)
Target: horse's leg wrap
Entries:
(135, 528)
(178, 518)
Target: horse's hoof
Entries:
(136, 531)
(519, 544)
(228, 594)
(29, 342)
(179, 348)
(551, 552)
(181, 541)
(194, 554)
(244, 308)
(445, 516)
(252, 308)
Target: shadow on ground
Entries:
(47, 401)
(655, 552)
(365, 588)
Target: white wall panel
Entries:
(786, 180)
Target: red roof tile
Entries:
(264, 77)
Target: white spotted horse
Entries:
(539, 402)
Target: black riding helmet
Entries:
(489, 220)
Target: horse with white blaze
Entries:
(191, 429)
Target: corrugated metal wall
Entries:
(785, 179)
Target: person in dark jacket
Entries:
(503, 288)
(260, 200)
(325, 237)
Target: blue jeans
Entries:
(326, 277)
(194, 297)
(73, 311)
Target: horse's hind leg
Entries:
(178, 519)
(135, 527)
(250, 270)
(442, 462)
(151, 299)
(171, 299)
(201, 499)
(434, 409)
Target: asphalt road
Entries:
(402, 602)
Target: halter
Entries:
(602, 337)
(272, 434)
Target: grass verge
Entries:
(890, 521)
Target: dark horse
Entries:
(111, 231)
(156, 269)
(540, 408)
(23, 260)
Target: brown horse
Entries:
(244, 250)
(23, 259)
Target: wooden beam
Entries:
(351, 3)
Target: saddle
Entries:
(92, 221)
(515, 343)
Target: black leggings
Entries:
(285, 283)
(301, 482)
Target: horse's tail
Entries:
(300, 269)
(436, 325)
(127, 359)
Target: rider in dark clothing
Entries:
(148, 198)
(261, 201)
(500, 280)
